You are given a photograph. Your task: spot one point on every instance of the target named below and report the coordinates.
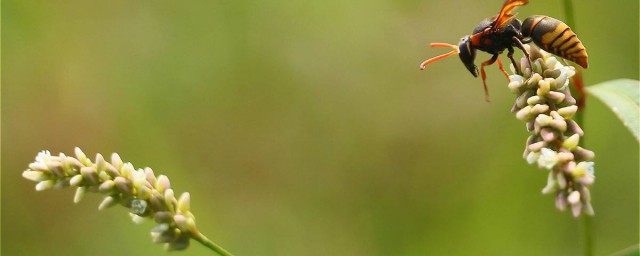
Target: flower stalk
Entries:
(545, 103)
(146, 195)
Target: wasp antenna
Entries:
(436, 58)
(454, 47)
(439, 57)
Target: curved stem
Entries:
(578, 86)
(211, 245)
(568, 14)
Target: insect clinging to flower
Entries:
(504, 32)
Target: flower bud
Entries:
(574, 197)
(34, 175)
(38, 166)
(524, 114)
(548, 135)
(162, 184)
(151, 177)
(588, 209)
(570, 100)
(170, 200)
(532, 157)
(107, 186)
(162, 217)
(75, 180)
(107, 202)
(562, 181)
(583, 154)
(571, 142)
(539, 109)
(560, 82)
(89, 174)
(574, 127)
(123, 185)
(136, 219)
(116, 161)
(561, 202)
(127, 171)
(543, 120)
(543, 88)
(79, 194)
(534, 80)
(576, 209)
(552, 73)
(44, 185)
(535, 147)
(514, 86)
(535, 100)
(551, 185)
(184, 203)
(568, 112)
(560, 125)
(556, 97)
(100, 163)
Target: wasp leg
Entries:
(515, 64)
(521, 47)
(502, 69)
(484, 75)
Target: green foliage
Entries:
(622, 96)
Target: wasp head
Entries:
(467, 55)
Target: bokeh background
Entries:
(300, 127)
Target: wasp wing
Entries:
(505, 17)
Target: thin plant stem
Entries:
(578, 85)
(588, 236)
(568, 14)
(210, 244)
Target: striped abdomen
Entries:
(555, 37)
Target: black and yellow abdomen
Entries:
(555, 37)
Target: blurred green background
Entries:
(300, 127)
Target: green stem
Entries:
(578, 86)
(588, 237)
(211, 245)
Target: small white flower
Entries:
(516, 78)
(139, 178)
(548, 158)
(584, 168)
(570, 72)
(590, 168)
(532, 157)
(43, 157)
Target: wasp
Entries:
(504, 32)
